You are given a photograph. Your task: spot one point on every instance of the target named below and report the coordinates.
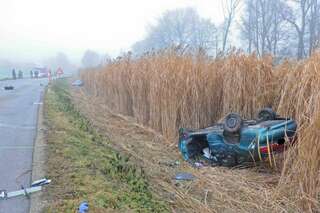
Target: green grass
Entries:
(84, 167)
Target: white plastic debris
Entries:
(198, 165)
(77, 83)
(207, 153)
(184, 176)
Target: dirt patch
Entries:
(215, 189)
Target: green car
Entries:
(235, 141)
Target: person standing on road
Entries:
(49, 75)
(31, 74)
(36, 74)
(20, 74)
(14, 75)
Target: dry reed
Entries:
(300, 98)
(166, 90)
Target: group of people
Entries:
(34, 74)
(14, 75)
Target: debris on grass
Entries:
(84, 207)
(198, 165)
(8, 87)
(184, 176)
(77, 83)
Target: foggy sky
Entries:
(37, 29)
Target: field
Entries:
(166, 90)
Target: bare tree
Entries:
(91, 59)
(247, 27)
(263, 27)
(60, 60)
(298, 19)
(182, 28)
(106, 59)
(314, 26)
(230, 9)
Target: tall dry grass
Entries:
(300, 98)
(167, 90)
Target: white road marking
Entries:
(11, 126)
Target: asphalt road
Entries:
(18, 121)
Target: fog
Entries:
(33, 32)
(85, 33)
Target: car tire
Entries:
(232, 123)
(266, 114)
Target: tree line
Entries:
(283, 28)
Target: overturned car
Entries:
(235, 140)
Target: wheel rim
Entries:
(265, 116)
(232, 122)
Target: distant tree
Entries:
(314, 26)
(281, 27)
(105, 59)
(230, 9)
(60, 60)
(182, 28)
(91, 59)
(297, 16)
(204, 36)
(263, 28)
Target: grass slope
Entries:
(84, 167)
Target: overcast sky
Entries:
(31, 30)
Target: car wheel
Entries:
(232, 123)
(266, 114)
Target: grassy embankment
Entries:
(84, 167)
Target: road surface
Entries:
(18, 121)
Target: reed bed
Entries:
(300, 98)
(168, 90)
